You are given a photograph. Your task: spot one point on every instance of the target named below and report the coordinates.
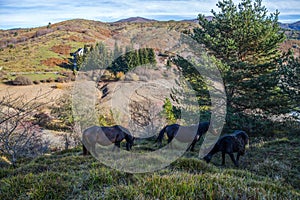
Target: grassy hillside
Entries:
(48, 48)
(268, 171)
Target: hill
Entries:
(48, 48)
(135, 19)
(292, 26)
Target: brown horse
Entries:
(230, 143)
(184, 134)
(105, 136)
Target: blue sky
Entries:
(33, 13)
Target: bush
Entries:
(60, 80)
(36, 82)
(59, 86)
(132, 77)
(22, 80)
(50, 80)
(120, 75)
(107, 76)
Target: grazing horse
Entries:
(230, 144)
(186, 132)
(105, 136)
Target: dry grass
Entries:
(45, 49)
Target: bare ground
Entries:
(53, 90)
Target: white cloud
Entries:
(31, 13)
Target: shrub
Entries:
(59, 86)
(60, 80)
(107, 76)
(22, 80)
(36, 82)
(132, 77)
(49, 80)
(120, 75)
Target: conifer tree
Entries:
(241, 32)
(256, 75)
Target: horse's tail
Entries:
(161, 134)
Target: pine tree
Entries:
(257, 77)
(241, 32)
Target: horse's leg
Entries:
(117, 144)
(192, 146)
(85, 151)
(233, 159)
(237, 158)
(223, 157)
(170, 142)
(93, 149)
(159, 144)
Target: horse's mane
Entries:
(126, 132)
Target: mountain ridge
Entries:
(135, 19)
(291, 26)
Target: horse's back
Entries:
(89, 133)
(239, 132)
(101, 135)
(186, 133)
(233, 142)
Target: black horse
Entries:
(186, 133)
(105, 136)
(230, 144)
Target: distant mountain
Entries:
(292, 26)
(135, 19)
(209, 18)
(190, 20)
(142, 19)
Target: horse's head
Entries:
(243, 137)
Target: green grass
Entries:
(42, 76)
(269, 170)
(28, 57)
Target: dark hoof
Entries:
(206, 159)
